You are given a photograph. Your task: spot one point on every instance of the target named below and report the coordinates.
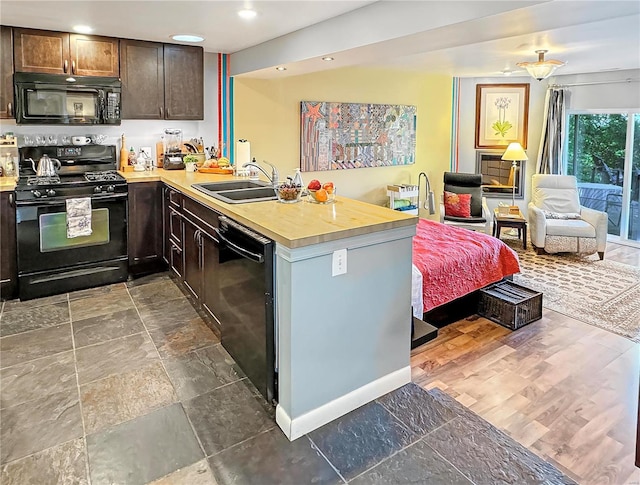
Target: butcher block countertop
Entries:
(292, 225)
(7, 184)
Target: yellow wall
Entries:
(267, 113)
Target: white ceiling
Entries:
(472, 38)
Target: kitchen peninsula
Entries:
(341, 341)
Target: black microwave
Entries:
(67, 100)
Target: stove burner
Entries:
(106, 176)
(43, 180)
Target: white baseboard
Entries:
(296, 427)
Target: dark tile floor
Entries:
(125, 384)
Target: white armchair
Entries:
(557, 221)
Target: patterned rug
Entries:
(601, 293)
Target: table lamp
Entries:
(514, 153)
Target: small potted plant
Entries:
(190, 163)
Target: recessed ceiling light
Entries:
(281, 68)
(327, 58)
(247, 13)
(82, 29)
(187, 38)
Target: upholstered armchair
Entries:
(466, 183)
(557, 221)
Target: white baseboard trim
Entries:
(296, 427)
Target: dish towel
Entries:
(78, 217)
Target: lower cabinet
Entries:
(210, 262)
(8, 247)
(190, 246)
(192, 258)
(145, 246)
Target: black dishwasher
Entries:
(244, 302)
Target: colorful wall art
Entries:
(338, 136)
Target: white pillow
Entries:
(558, 215)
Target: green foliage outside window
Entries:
(596, 142)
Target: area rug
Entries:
(601, 293)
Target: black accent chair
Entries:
(467, 183)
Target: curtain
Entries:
(552, 139)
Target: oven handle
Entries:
(258, 258)
(44, 202)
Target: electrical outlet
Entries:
(339, 262)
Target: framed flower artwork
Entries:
(502, 115)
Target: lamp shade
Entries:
(514, 152)
(541, 69)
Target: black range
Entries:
(53, 257)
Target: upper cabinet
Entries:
(183, 82)
(161, 81)
(142, 72)
(62, 53)
(6, 73)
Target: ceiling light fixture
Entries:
(327, 58)
(541, 69)
(82, 29)
(506, 72)
(247, 13)
(281, 68)
(187, 38)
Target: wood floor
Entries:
(566, 390)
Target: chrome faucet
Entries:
(274, 178)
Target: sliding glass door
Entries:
(603, 152)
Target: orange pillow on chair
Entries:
(457, 205)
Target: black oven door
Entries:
(47, 256)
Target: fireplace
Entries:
(498, 175)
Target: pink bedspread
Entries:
(455, 261)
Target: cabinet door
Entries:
(41, 51)
(210, 283)
(191, 250)
(175, 259)
(94, 56)
(183, 82)
(145, 227)
(8, 251)
(142, 72)
(6, 73)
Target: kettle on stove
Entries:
(47, 167)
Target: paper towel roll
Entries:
(243, 152)
(243, 155)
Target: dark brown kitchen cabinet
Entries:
(63, 53)
(183, 82)
(172, 230)
(145, 245)
(142, 73)
(6, 73)
(8, 249)
(209, 264)
(161, 81)
(192, 265)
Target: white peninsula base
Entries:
(342, 341)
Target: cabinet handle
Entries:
(11, 201)
(73, 67)
(65, 66)
(161, 113)
(10, 109)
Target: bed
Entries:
(454, 262)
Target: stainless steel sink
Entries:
(238, 192)
(229, 185)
